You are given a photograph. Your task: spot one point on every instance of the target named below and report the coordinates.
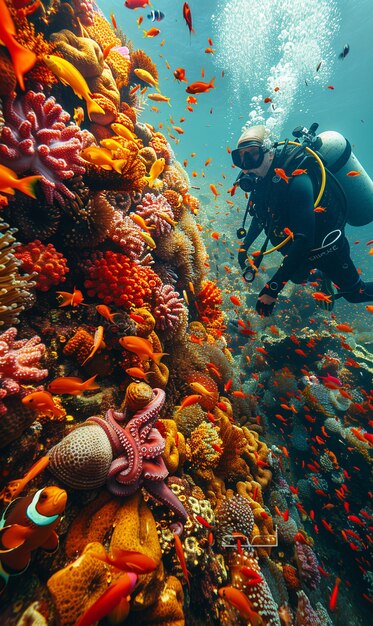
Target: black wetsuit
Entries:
(319, 239)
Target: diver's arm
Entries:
(254, 231)
(301, 216)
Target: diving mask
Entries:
(249, 155)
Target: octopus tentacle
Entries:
(164, 495)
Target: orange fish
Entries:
(142, 347)
(200, 87)
(42, 401)
(189, 401)
(110, 599)
(16, 486)
(134, 89)
(137, 318)
(238, 393)
(191, 100)
(105, 311)
(282, 174)
(22, 58)
(214, 190)
(353, 173)
(215, 236)
(298, 172)
(29, 523)
(135, 217)
(178, 129)
(72, 385)
(136, 372)
(106, 50)
(235, 300)
(319, 209)
(345, 328)
(241, 602)
(98, 342)
(128, 561)
(208, 162)
(139, 21)
(152, 32)
(113, 21)
(179, 74)
(71, 299)
(369, 308)
(209, 51)
(266, 100)
(321, 297)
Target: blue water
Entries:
(259, 45)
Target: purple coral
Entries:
(36, 138)
(307, 565)
(19, 363)
(306, 616)
(156, 212)
(168, 309)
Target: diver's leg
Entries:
(340, 269)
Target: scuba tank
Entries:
(339, 159)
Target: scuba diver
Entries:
(298, 200)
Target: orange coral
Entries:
(107, 106)
(208, 303)
(128, 111)
(79, 346)
(102, 32)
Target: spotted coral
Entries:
(49, 265)
(19, 364)
(36, 138)
(114, 278)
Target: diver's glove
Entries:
(265, 304)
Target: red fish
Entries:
(181, 557)
(334, 595)
(187, 15)
(200, 87)
(179, 74)
(235, 300)
(136, 4)
(242, 603)
(108, 600)
(204, 522)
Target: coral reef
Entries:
(49, 265)
(36, 138)
(15, 289)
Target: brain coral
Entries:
(36, 138)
